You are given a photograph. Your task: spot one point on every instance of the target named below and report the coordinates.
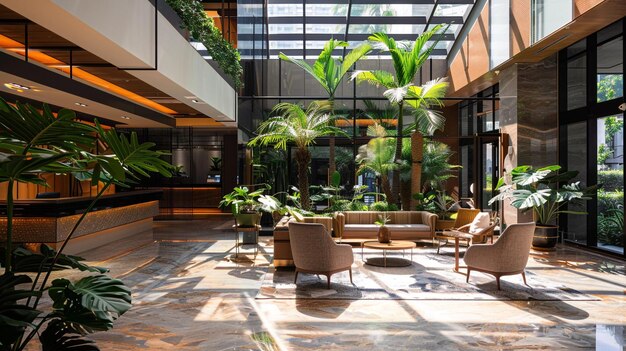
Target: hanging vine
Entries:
(202, 28)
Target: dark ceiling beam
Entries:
(54, 80)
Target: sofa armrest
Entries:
(429, 219)
(339, 222)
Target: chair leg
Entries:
(328, 279)
(295, 281)
(491, 237)
(524, 277)
(498, 281)
(468, 275)
(350, 270)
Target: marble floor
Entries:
(188, 296)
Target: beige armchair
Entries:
(315, 252)
(507, 256)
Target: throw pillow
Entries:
(480, 222)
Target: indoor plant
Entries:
(246, 204)
(33, 142)
(546, 192)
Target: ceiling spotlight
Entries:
(195, 101)
(80, 104)
(17, 87)
(125, 117)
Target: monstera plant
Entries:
(34, 142)
(547, 192)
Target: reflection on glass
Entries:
(499, 28)
(282, 10)
(610, 133)
(576, 76)
(610, 79)
(467, 170)
(489, 167)
(577, 161)
(327, 10)
(548, 16)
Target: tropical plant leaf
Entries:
(104, 297)
(59, 336)
(15, 316)
(525, 199)
(28, 261)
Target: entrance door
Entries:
(487, 168)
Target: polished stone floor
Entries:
(188, 296)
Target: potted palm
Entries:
(546, 192)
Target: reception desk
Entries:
(114, 217)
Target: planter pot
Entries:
(442, 224)
(248, 220)
(384, 235)
(546, 237)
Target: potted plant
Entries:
(246, 204)
(438, 203)
(546, 192)
(384, 234)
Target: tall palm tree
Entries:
(329, 71)
(407, 59)
(299, 127)
(377, 156)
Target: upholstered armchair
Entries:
(507, 256)
(315, 252)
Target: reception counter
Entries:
(114, 217)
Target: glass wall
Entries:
(548, 16)
(499, 28)
(592, 135)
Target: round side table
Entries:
(394, 245)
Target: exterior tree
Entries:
(407, 59)
(300, 127)
(329, 71)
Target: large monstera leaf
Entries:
(28, 261)
(59, 336)
(15, 317)
(90, 304)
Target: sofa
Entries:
(403, 225)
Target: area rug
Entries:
(429, 277)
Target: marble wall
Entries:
(529, 116)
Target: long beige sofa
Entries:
(404, 225)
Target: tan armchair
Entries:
(464, 218)
(507, 256)
(315, 252)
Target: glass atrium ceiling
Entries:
(301, 27)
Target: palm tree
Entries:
(407, 59)
(300, 127)
(329, 72)
(377, 156)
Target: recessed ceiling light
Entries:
(125, 117)
(80, 104)
(195, 101)
(17, 87)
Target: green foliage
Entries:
(604, 153)
(611, 225)
(436, 167)
(383, 206)
(34, 142)
(382, 220)
(609, 199)
(243, 200)
(436, 202)
(216, 164)
(202, 28)
(537, 190)
(610, 86)
(612, 179)
(327, 70)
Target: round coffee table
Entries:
(395, 245)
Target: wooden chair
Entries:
(464, 218)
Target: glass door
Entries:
(488, 170)
(610, 168)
